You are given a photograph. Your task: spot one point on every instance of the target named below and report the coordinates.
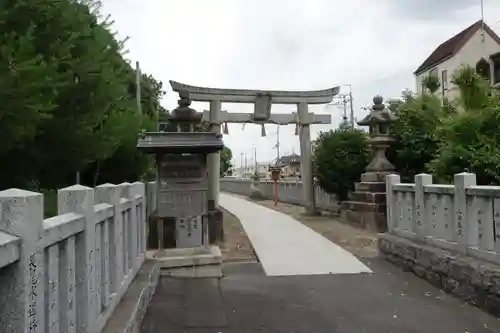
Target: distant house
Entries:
(477, 46)
(290, 165)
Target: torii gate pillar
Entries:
(306, 160)
(213, 160)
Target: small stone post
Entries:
(22, 284)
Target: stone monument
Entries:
(182, 178)
(367, 204)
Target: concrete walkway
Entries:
(287, 247)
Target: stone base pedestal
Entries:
(375, 177)
(366, 207)
(190, 262)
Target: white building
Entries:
(249, 171)
(477, 46)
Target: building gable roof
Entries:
(450, 47)
(289, 159)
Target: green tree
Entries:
(416, 142)
(470, 142)
(474, 90)
(340, 157)
(431, 83)
(66, 92)
(226, 156)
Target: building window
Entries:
(483, 68)
(496, 72)
(434, 72)
(444, 81)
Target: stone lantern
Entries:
(379, 121)
(366, 206)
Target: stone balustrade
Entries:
(447, 234)
(462, 217)
(289, 191)
(68, 273)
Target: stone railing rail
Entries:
(462, 217)
(68, 273)
(289, 191)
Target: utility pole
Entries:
(241, 165)
(277, 144)
(246, 162)
(138, 86)
(343, 100)
(255, 159)
(351, 105)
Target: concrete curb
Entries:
(128, 316)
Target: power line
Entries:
(343, 100)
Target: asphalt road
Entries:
(248, 301)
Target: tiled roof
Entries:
(450, 47)
(294, 158)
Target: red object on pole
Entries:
(276, 193)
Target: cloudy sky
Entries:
(289, 44)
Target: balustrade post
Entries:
(140, 192)
(125, 190)
(22, 287)
(80, 199)
(110, 194)
(421, 227)
(391, 180)
(463, 225)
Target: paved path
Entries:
(287, 247)
(247, 300)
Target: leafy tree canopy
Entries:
(340, 157)
(68, 94)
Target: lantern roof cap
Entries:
(379, 114)
(184, 113)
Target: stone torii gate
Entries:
(262, 101)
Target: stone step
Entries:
(188, 257)
(363, 206)
(369, 187)
(375, 221)
(373, 197)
